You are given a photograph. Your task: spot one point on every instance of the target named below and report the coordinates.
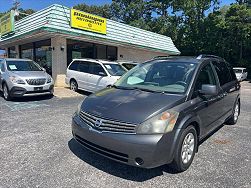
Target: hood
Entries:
(30, 74)
(132, 106)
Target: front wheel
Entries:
(186, 149)
(74, 85)
(6, 93)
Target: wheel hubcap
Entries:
(187, 148)
(73, 86)
(236, 112)
(5, 92)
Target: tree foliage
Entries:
(196, 26)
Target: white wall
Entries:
(138, 55)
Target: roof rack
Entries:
(208, 56)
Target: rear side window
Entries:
(97, 69)
(74, 66)
(84, 67)
(1, 67)
(222, 72)
(233, 75)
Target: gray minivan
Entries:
(159, 111)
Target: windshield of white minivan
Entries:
(164, 76)
(114, 69)
(22, 66)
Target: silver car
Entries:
(23, 77)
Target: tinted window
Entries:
(22, 66)
(1, 67)
(97, 69)
(222, 72)
(84, 67)
(233, 75)
(74, 66)
(206, 76)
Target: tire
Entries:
(183, 157)
(6, 93)
(235, 115)
(74, 85)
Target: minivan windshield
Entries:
(161, 76)
(114, 69)
(22, 66)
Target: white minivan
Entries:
(241, 73)
(92, 75)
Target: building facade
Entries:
(50, 38)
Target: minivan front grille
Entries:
(106, 125)
(39, 81)
(103, 151)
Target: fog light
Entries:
(139, 161)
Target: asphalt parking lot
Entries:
(37, 150)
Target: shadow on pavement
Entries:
(116, 168)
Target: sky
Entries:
(5, 5)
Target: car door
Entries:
(98, 77)
(83, 75)
(208, 107)
(228, 87)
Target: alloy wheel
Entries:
(187, 148)
(236, 112)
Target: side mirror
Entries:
(102, 74)
(208, 89)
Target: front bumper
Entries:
(147, 151)
(22, 91)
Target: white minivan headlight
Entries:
(16, 80)
(159, 124)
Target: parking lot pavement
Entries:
(37, 150)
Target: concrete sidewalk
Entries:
(65, 92)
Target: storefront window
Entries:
(79, 49)
(12, 52)
(43, 55)
(27, 51)
(111, 53)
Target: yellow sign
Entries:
(7, 23)
(89, 22)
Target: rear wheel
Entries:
(186, 149)
(235, 115)
(74, 85)
(6, 93)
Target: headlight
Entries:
(49, 79)
(159, 124)
(79, 108)
(16, 80)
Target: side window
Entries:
(233, 75)
(222, 72)
(84, 67)
(2, 67)
(206, 76)
(97, 69)
(74, 66)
